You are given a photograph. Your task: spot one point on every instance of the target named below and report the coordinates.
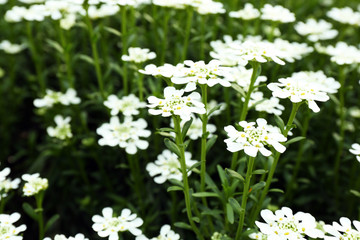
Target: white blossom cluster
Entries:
(6, 184)
(262, 104)
(34, 184)
(11, 48)
(195, 130)
(277, 13)
(78, 236)
(167, 167)
(127, 105)
(288, 226)
(51, 98)
(355, 149)
(343, 230)
(201, 6)
(253, 139)
(345, 15)
(62, 130)
(341, 53)
(165, 234)
(128, 134)
(212, 104)
(316, 30)
(167, 70)
(138, 55)
(242, 77)
(247, 13)
(7, 228)
(109, 225)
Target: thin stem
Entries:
(164, 43)
(39, 200)
(136, 177)
(124, 49)
(180, 144)
(190, 13)
(245, 197)
(140, 83)
(202, 39)
(67, 58)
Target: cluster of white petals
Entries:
(126, 135)
(205, 7)
(11, 48)
(167, 70)
(355, 149)
(195, 130)
(277, 13)
(343, 230)
(288, 226)
(109, 225)
(7, 228)
(316, 30)
(34, 184)
(262, 104)
(341, 53)
(213, 104)
(167, 166)
(327, 84)
(138, 55)
(345, 15)
(165, 234)
(258, 236)
(6, 184)
(291, 51)
(174, 103)
(200, 73)
(127, 105)
(247, 13)
(179, 4)
(300, 87)
(62, 130)
(242, 77)
(78, 236)
(254, 138)
(51, 98)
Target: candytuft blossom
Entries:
(34, 184)
(11, 48)
(127, 105)
(343, 230)
(247, 13)
(6, 184)
(78, 236)
(316, 30)
(138, 55)
(7, 228)
(51, 98)
(62, 130)
(165, 234)
(355, 149)
(277, 13)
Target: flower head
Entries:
(8, 229)
(247, 13)
(343, 230)
(345, 15)
(62, 130)
(316, 30)
(6, 184)
(128, 105)
(277, 14)
(51, 98)
(10, 48)
(34, 184)
(355, 149)
(165, 234)
(138, 55)
(78, 236)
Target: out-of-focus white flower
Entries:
(179, 4)
(105, 10)
(68, 21)
(109, 225)
(262, 104)
(176, 104)
(354, 112)
(62, 130)
(212, 104)
(138, 55)
(258, 236)
(34, 184)
(316, 30)
(345, 15)
(167, 70)
(253, 139)
(6, 184)
(167, 166)
(165, 234)
(343, 230)
(78, 236)
(51, 98)
(291, 51)
(355, 149)
(274, 31)
(277, 14)
(8, 229)
(195, 129)
(70, 97)
(31, 1)
(210, 7)
(126, 135)
(327, 84)
(200, 73)
(247, 13)
(341, 54)
(242, 77)
(11, 48)
(284, 225)
(3, 1)
(128, 105)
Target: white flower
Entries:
(345, 15)
(10, 48)
(253, 139)
(355, 149)
(109, 226)
(70, 97)
(342, 53)
(195, 130)
(6, 184)
(277, 14)
(343, 230)
(291, 51)
(34, 184)
(316, 30)
(126, 135)
(165, 234)
(242, 77)
(297, 90)
(167, 166)
(200, 73)
(138, 55)
(51, 98)
(210, 7)
(262, 104)
(170, 3)
(68, 21)
(128, 105)
(248, 13)
(175, 104)
(327, 84)
(258, 236)
(167, 70)
(8, 229)
(103, 11)
(62, 130)
(212, 104)
(78, 236)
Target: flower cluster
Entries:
(355, 149)
(253, 139)
(167, 166)
(126, 135)
(341, 53)
(277, 14)
(247, 13)
(110, 226)
(175, 104)
(316, 30)
(262, 104)
(286, 225)
(138, 55)
(345, 15)
(165, 234)
(34, 184)
(167, 70)
(51, 98)
(11, 48)
(78, 236)
(62, 130)
(8, 229)
(195, 129)
(343, 230)
(127, 105)
(6, 184)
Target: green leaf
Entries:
(172, 147)
(211, 142)
(260, 171)
(278, 190)
(258, 186)
(356, 193)
(294, 140)
(229, 213)
(30, 211)
(55, 45)
(280, 123)
(86, 58)
(51, 221)
(174, 188)
(113, 31)
(238, 89)
(214, 109)
(205, 194)
(215, 213)
(186, 128)
(222, 175)
(196, 219)
(182, 225)
(234, 174)
(165, 130)
(176, 182)
(235, 205)
(194, 166)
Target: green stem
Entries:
(180, 144)
(245, 196)
(140, 83)
(190, 13)
(164, 44)
(136, 178)
(202, 39)
(39, 200)
(67, 58)
(124, 49)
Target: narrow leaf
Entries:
(260, 171)
(294, 140)
(51, 221)
(30, 211)
(276, 190)
(234, 174)
(205, 194)
(235, 205)
(280, 123)
(182, 225)
(186, 128)
(194, 166)
(172, 146)
(174, 188)
(229, 213)
(211, 142)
